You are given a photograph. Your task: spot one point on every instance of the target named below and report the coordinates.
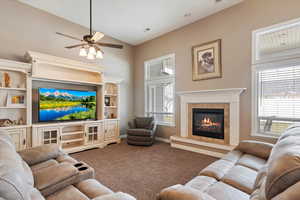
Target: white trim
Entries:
(165, 140)
(196, 150)
(279, 56)
(237, 91)
(200, 143)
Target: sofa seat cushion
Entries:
(92, 188)
(116, 196)
(252, 162)
(201, 183)
(178, 192)
(242, 178)
(68, 193)
(139, 132)
(217, 169)
(233, 156)
(223, 191)
(49, 176)
(43, 165)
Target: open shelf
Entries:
(72, 133)
(16, 89)
(72, 140)
(13, 107)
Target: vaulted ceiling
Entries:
(130, 20)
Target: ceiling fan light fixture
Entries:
(83, 52)
(92, 50)
(99, 54)
(90, 56)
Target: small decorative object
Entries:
(207, 61)
(7, 81)
(21, 121)
(112, 115)
(107, 101)
(15, 100)
(5, 122)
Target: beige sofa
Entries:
(254, 170)
(47, 173)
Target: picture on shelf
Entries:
(107, 101)
(15, 100)
(64, 105)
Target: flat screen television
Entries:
(66, 105)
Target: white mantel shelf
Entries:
(230, 96)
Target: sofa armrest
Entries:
(115, 196)
(40, 154)
(256, 148)
(180, 192)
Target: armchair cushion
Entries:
(143, 122)
(116, 196)
(40, 154)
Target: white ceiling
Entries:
(127, 20)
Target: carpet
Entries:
(143, 171)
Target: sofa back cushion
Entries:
(143, 122)
(283, 164)
(13, 185)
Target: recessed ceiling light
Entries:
(147, 29)
(187, 14)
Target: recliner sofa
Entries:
(253, 171)
(46, 172)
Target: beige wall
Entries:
(25, 28)
(234, 26)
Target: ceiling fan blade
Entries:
(74, 46)
(69, 36)
(97, 36)
(110, 45)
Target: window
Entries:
(160, 89)
(276, 78)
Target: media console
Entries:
(72, 136)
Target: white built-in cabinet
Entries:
(71, 136)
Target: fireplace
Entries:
(208, 123)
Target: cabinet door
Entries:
(111, 130)
(19, 138)
(91, 134)
(50, 136)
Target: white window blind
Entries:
(159, 89)
(278, 98)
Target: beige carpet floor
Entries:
(143, 171)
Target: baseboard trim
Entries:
(196, 150)
(163, 140)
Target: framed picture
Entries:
(15, 100)
(207, 61)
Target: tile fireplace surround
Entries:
(211, 98)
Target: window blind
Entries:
(280, 93)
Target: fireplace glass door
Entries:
(208, 123)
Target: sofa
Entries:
(252, 171)
(47, 173)
(141, 131)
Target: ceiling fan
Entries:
(90, 46)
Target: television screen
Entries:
(66, 105)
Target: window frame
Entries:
(281, 60)
(157, 80)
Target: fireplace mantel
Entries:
(230, 96)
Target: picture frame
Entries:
(16, 100)
(207, 60)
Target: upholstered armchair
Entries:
(141, 131)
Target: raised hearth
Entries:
(209, 121)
